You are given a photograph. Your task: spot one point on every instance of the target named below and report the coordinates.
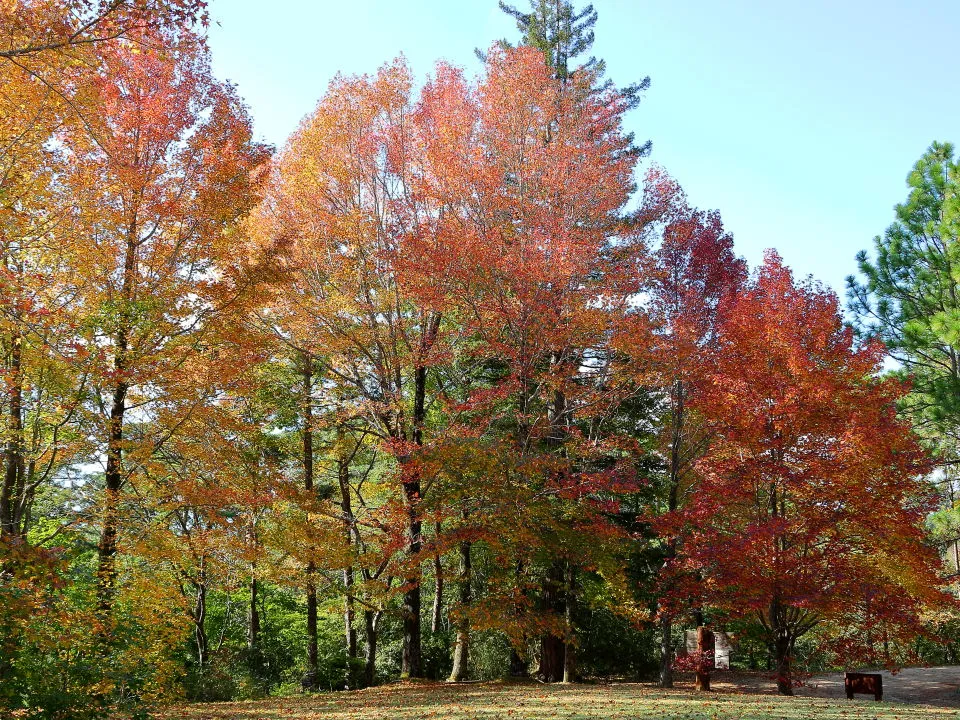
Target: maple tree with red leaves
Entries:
(809, 500)
(694, 276)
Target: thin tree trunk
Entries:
(666, 652)
(518, 663)
(461, 648)
(11, 641)
(569, 650)
(412, 659)
(437, 587)
(200, 620)
(673, 501)
(113, 474)
(349, 613)
(253, 616)
(956, 541)
(313, 667)
(552, 647)
(25, 491)
(346, 506)
(113, 480)
(12, 480)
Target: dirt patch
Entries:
(937, 686)
(932, 686)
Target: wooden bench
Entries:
(863, 683)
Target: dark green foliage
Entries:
(942, 646)
(557, 30)
(437, 655)
(609, 647)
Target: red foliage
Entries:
(809, 501)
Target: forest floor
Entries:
(925, 694)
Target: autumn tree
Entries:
(541, 222)
(59, 26)
(48, 50)
(42, 380)
(46, 56)
(42, 383)
(159, 185)
(809, 500)
(340, 203)
(695, 275)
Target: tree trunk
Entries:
(13, 472)
(782, 639)
(552, 646)
(666, 652)
(412, 659)
(551, 658)
(673, 502)
(518, 663)
(253, 617)
(706, 647)
(313, 664)
(569, 650)
(200, 622)
(437, 588)
(113, 474)
(313, 667)
(113, 479)
(26, 489)
(371, 619)
(782, 649)
(461, 648)
(350, 632)
(346, 506)
(13, 461)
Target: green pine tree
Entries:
(557, 30)
(563, 33)
(910, 299)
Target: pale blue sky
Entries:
(799, 121)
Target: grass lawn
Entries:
(533, 701)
